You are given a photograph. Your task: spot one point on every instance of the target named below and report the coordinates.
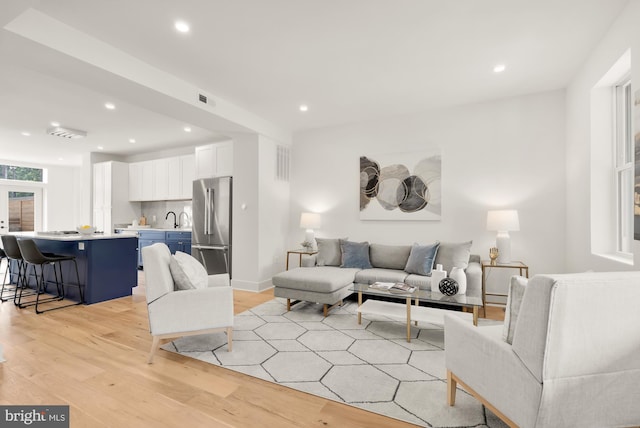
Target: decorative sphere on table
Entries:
(448, 286)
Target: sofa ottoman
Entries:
(322, 284)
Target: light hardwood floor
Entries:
(93, 358)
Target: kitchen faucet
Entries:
(175, 220)
(180, 217)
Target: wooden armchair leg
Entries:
(154, 347)
(451, 389)
(229, 339)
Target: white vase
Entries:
(461, 278)
(437, 275)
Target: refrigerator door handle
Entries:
(210, 247)
(207, 211)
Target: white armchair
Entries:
(574, 360)
(183, 312)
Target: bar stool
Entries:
(33, 257)
(14, 257)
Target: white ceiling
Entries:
(349, 60)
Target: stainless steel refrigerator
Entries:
(211, 230)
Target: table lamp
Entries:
(310, 221)
(503, 221)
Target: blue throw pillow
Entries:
(355, 255)
(421, 259)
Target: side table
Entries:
(301, 252)
(487, 264)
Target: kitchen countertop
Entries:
(71, 237)
(159, 229)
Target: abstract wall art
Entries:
(401, 186)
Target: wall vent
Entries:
(69, 133)
(202, 98)
(283, 162)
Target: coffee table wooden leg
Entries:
(475, 315)
(408, 319)
(417, 303)
(359, 304)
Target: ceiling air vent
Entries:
(202, 98)
(59, 131)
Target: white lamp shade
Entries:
(503, 220)
(310, 221)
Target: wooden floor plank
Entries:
(93, 358)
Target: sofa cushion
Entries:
(420, 281)
(329, 253)
(421, 259)
(320, 279)
(355, 254)
(517, 286)
(453, 255)
(187, 272)
(389, 256)
(369, 276)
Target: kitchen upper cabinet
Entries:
(162, 179)
(187, 169)
(214, 160)
(110, 195)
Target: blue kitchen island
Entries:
(107, 263)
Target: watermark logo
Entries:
(34, 416)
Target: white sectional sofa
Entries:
(327, 279)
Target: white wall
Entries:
(502, 154)
(624, 34)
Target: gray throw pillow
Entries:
(329, 253)
(452, 255)
(421, 259)
(517, 286)
(355, 255)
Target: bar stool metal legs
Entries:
(33, 257)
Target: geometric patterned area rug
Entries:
(370, 366)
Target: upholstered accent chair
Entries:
(184, 312)
(574, 360)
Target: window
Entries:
(10, 172)
(624, 174)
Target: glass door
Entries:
(20, 209)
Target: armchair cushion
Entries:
(187, 272)
(514, 299)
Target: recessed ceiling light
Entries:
(187, 129)
(132, 140)
(54, 123)
(499, 68)
(304, 107)
(100, 148)
(26, 134)
(60, 158)
(110, 106)
(182, 26)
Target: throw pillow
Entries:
(517, 286)
(452, 255)
(329, 253)
(421, 259)
(355, 254)
(187, 272)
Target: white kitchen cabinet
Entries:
(187, 169)
(214, 160)
(111, 195)
(162, 179)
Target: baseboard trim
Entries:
(256, 287)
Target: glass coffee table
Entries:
(414, 312)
